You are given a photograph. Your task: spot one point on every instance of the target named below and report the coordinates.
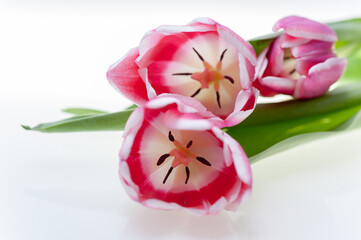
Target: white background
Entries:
(54, 54)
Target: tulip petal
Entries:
(312, 48)
(124, 77)
(279, 85)
(177, 59)
(289, 41)
(244, 47)
(303, 65)
(275, 57)
(304, 45)
(245, 104)
(199, 188)
(305, 28)
(321, 77)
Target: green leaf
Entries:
(272, 123)
(352, 123)
(347, 30)
(349, 37)
(262, 42)
(95, 122)
(133, 106)
(353, 70)
(82, 111)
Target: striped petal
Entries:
(203, 60)
(201, 170)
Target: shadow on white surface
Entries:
(152, 224)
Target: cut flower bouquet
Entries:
(195, 126)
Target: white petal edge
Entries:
(242, 46)
(238, 115)
(131, 128)
(131, 188)
(279, 83)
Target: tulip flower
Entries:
(203, 60)
(301, 61)
(173, 157)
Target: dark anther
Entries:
(222, 55)
(182, 74)
(200, 56)
(229, 78)
(168, 173)
(189, 144)
(162, 158)
(170, 136)
(218, 99)
(188, 173)
(204, 161)
(196, 93)
(286, 58)
(293, 71)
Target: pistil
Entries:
(210, 75)
(181, 156)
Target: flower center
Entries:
(209, 76)
(181, 156)
(289, 62)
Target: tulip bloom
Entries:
(203, 60)
(173, 157)
(301, 61)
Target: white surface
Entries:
(65, 186)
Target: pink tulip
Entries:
(174, 158)
(203, 60)
(301, 61)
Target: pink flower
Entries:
(203, 60)
(301, 61)
(174, 158)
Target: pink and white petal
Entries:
(246, 71)
(143, 72)
(275, 57)
(320, 78)
(262, 63)
(124, 77)
(157, 46)
(131, 188)
(184, 104)
(196, 25)
(224, 186)
(289, 41)
(174, 119)
(173, 29)
(303, 64)
(263, 90)
(244, 105)
(131, 128)
(164, 40)
(202, 194)
(280, 85)
(244, 47)
(159, 204)
(199, 198)
(305, 28)
(243, 194)
(234, 153)
(148, 42)
(188, 115)
(204, 21)
(312, 48)
(163, 81)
